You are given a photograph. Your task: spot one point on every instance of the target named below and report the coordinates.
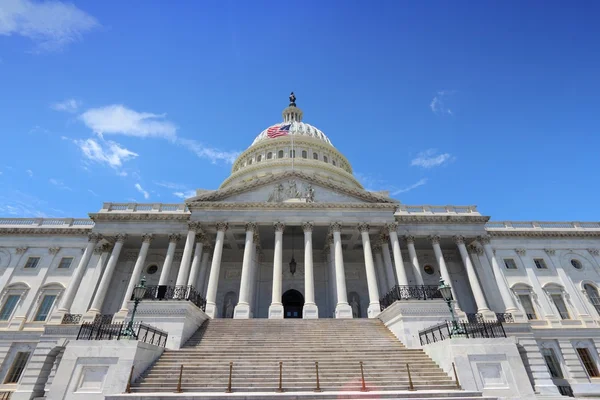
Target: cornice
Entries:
(544, 234)
(136, 216)
(443, 219)
(46, 231)
(279, 206)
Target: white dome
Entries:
(296, 129)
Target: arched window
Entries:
(333, 162)
(269, 155)
(325, 159)
(315, 156)
(280, 154)
(593, 296)
(259, 158)
(250, 162)
(304, 154)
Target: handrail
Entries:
(163, 292)
(409, 292)
(446, 330)
(145, 333)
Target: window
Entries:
(315, 156)
(269, 155)
(9, 307)
(528, 306)
(552, 363)
(429, 270)
(259, 158)
(250, 162)
(32, 262)
(17, 367)
(151, 270)
(559, 302)
(509, 263)
(576, 264)
(280, 154)
(325, 159)
(588, 362)
(304, 154)
(45, 307)
(65, 262)
(333, 162)
(593, 296)
(540, 263)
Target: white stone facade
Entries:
(233, 247)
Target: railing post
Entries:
(362, 378)
(455, 376)
(179, 381)
(128, 388)
(411, 387)
(280, 389)
(230, 373)
(318, 389)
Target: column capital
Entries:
(409, 239)
(521, 252)
(474, 249)
(550, 252)
(147, 237)
(435, 239)
(392, 227)
(250, 227)
(307, 227)
(594, 252)
(21, 250)
(377, 246)
(459, 239)
(364, 227)
(222, 226)
(336, 227)
(121, 237)
(384, 237)
(279, 226)
(174, 237)
(194, 226)
(94, 237)
(53, 250)
(484, 239)
(200, 238)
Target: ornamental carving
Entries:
(21, 250)
(147, 237)
(377, 246)
(106, 247)
(174, 238)
(121, 237)
(550, 252)
(94, 237)
(392, 227)
(484, 239)
(521, 252)
(279, 226)
(329, 241)
(53, 250)
(336, 227)
(435, 239)
(307, 226)
(594, 252)
(363, 228)
(473, 249)
(222, 226)
(97, 250)
(410, 239)
(459, 239)
(194, 226)
(250, 227)
(283, 192)
(200, 238)
(384, 237)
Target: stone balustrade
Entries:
(46, 222)
(144, 207)
(535, 225)
(436, 210)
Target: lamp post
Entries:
(138, 294)
(446, 292)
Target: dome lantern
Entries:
(292, 113)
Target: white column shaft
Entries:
(309, 278)
(444, 268)
(106, 278)
(398, 261)
(167, 264)
(184, 267)
(412, 252)
(277, 269)
(333, 285)
(389, 269)
(193, 278)
(253, 278)
(340, 274)
(246, 269)
(370, 269)
(381, 272)
(473, 280)
(137, 272)
(507, 298)
(204, 263)
(77, 276)
(215, 269)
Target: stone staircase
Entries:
(257, 346)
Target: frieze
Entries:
(281, 193)
(283, 205)
(545, 234)
(443, 219)
(45, 231)
(136, 216)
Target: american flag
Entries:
(278, 130)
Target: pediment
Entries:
(290, 187)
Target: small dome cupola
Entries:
(292, 113)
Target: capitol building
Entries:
(292, 281)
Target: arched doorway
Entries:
(293, 301)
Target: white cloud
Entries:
(118, 119)
(92, 192)
(29, 172)
(69, 105)
(409, 188)
(209, 153)
(105, 152)
(171, 185)
(52, 25)
(59, 184)
(185, 195)
(429, 159)
(142, 191)
(439, 104)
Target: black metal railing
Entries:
(474, 317)
(406, 292)
(505, 317)
(443, 331)
(103, 318)
(71, 319)
(5, 395)
(565, 390)
(142, 332)
(163, 292)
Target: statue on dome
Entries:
(292, 100)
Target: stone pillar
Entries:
(435, 241)
(193, 278)
(342, 309)
(163, 281)
(242, 309)
(507, 297)
(380, 269)
(215, 270)
(254, 274)
(387, 262)
(398, 261)
(482, 306)
(74, 283)
(137, 272)
(204, 267)
(276, 307)
(331, 267)
(310, 310)
(98, 301)
(414, 260)
(186, 257)
(374, 306)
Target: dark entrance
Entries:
(293, 301)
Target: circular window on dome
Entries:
(151, 270)
(429, 270)
(576, 264)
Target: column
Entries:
(380, 269)
(204, 266)
(310, 310)
(374, 306)
(276, 307)
(342, 309)
(387, 261)
(186, 257)
(137, 271)
(69, 296)
(254, 275)
(163, 281)
(193, 278)
(398, 261)
(482, 307)
(435, 241)
(98, 301)
(414, 260)
(242, 309)
(331, 267)
(507, 297)
(215, 270)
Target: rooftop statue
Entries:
(292, 99)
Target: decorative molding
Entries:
(474, 249)
(594, 252)
(364, 227)
(279, 226)
(121, 237)
(392, 227)
(299, 205)
(45, 231)
(542, 234)
(137, 216)
(409, 239)
(550, 252)
(484, 239)
(442, 219)
(251, 227)
(459, 239)
(222, 226)
(521, 252)
(384, 237)
(307, 226)
(174, 237)
(194, 226)
(435, 239)
(335, 227)
(147, 237)
(94, 237)
(53, 250)
(200, 237)
(21, 250)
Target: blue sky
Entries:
(490, 103)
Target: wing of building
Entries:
(292, 234)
